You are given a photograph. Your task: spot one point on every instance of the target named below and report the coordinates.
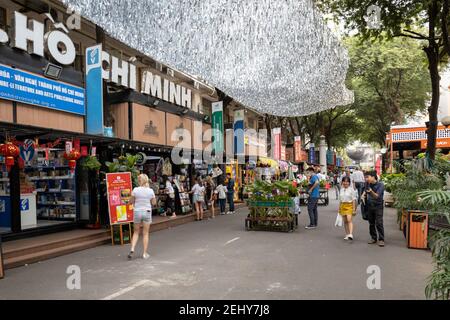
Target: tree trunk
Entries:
(432, 124)
(432, 52)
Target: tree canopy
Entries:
(390, 82)
(423, 20)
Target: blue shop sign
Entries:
(28, 88)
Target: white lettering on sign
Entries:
(152, 84)
(23, 34)
(118, 71)
(34, 36)
(53, 39)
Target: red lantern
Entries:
(10, 151)
(72, 156)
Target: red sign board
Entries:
(440, 143)
(119, 189)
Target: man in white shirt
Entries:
(358, 180)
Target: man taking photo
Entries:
(375, 205)
(314, 194)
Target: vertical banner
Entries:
(217, 127)
(330, 157)
(283, 153)
(239, 146)
(118, 188)
(297, 149)
(94, 90)
(378, 164)
(312, 154)
(276, 145)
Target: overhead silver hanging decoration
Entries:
(277, 57)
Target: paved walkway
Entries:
(217, 259)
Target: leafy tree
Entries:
(398, 19)
(390, 83)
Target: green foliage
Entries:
(421, 188)
(438, 286)
(391, 179)
(125, 164)
(91, 163)
(279, 191)
(405, 189)
(390, 82)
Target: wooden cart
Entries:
(262, 216)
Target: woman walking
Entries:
(142, 198)
(211, 194)
(198, 197)
(347, 206)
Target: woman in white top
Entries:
(142, 198)
(347, 206)
(199, 195)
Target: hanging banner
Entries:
(378, 165)
(283, 153)
(94, 90)
(297, 149)
(330, 157)
(239, 146)
(119, 187)
(276, 138)
(312, 154)
(217, 126)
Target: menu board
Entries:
(119, 187)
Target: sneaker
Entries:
(381, 243)
(346, 237)
(145, 256)
(350, 237)
(222, 213)
(130, 255)
(229, 212)
(310, 226)
(372, 241)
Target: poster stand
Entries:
(2, 272)
(121, 235)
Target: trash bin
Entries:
(417, 230)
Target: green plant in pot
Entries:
(438, 286)
(91, 163)
(125, 163)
